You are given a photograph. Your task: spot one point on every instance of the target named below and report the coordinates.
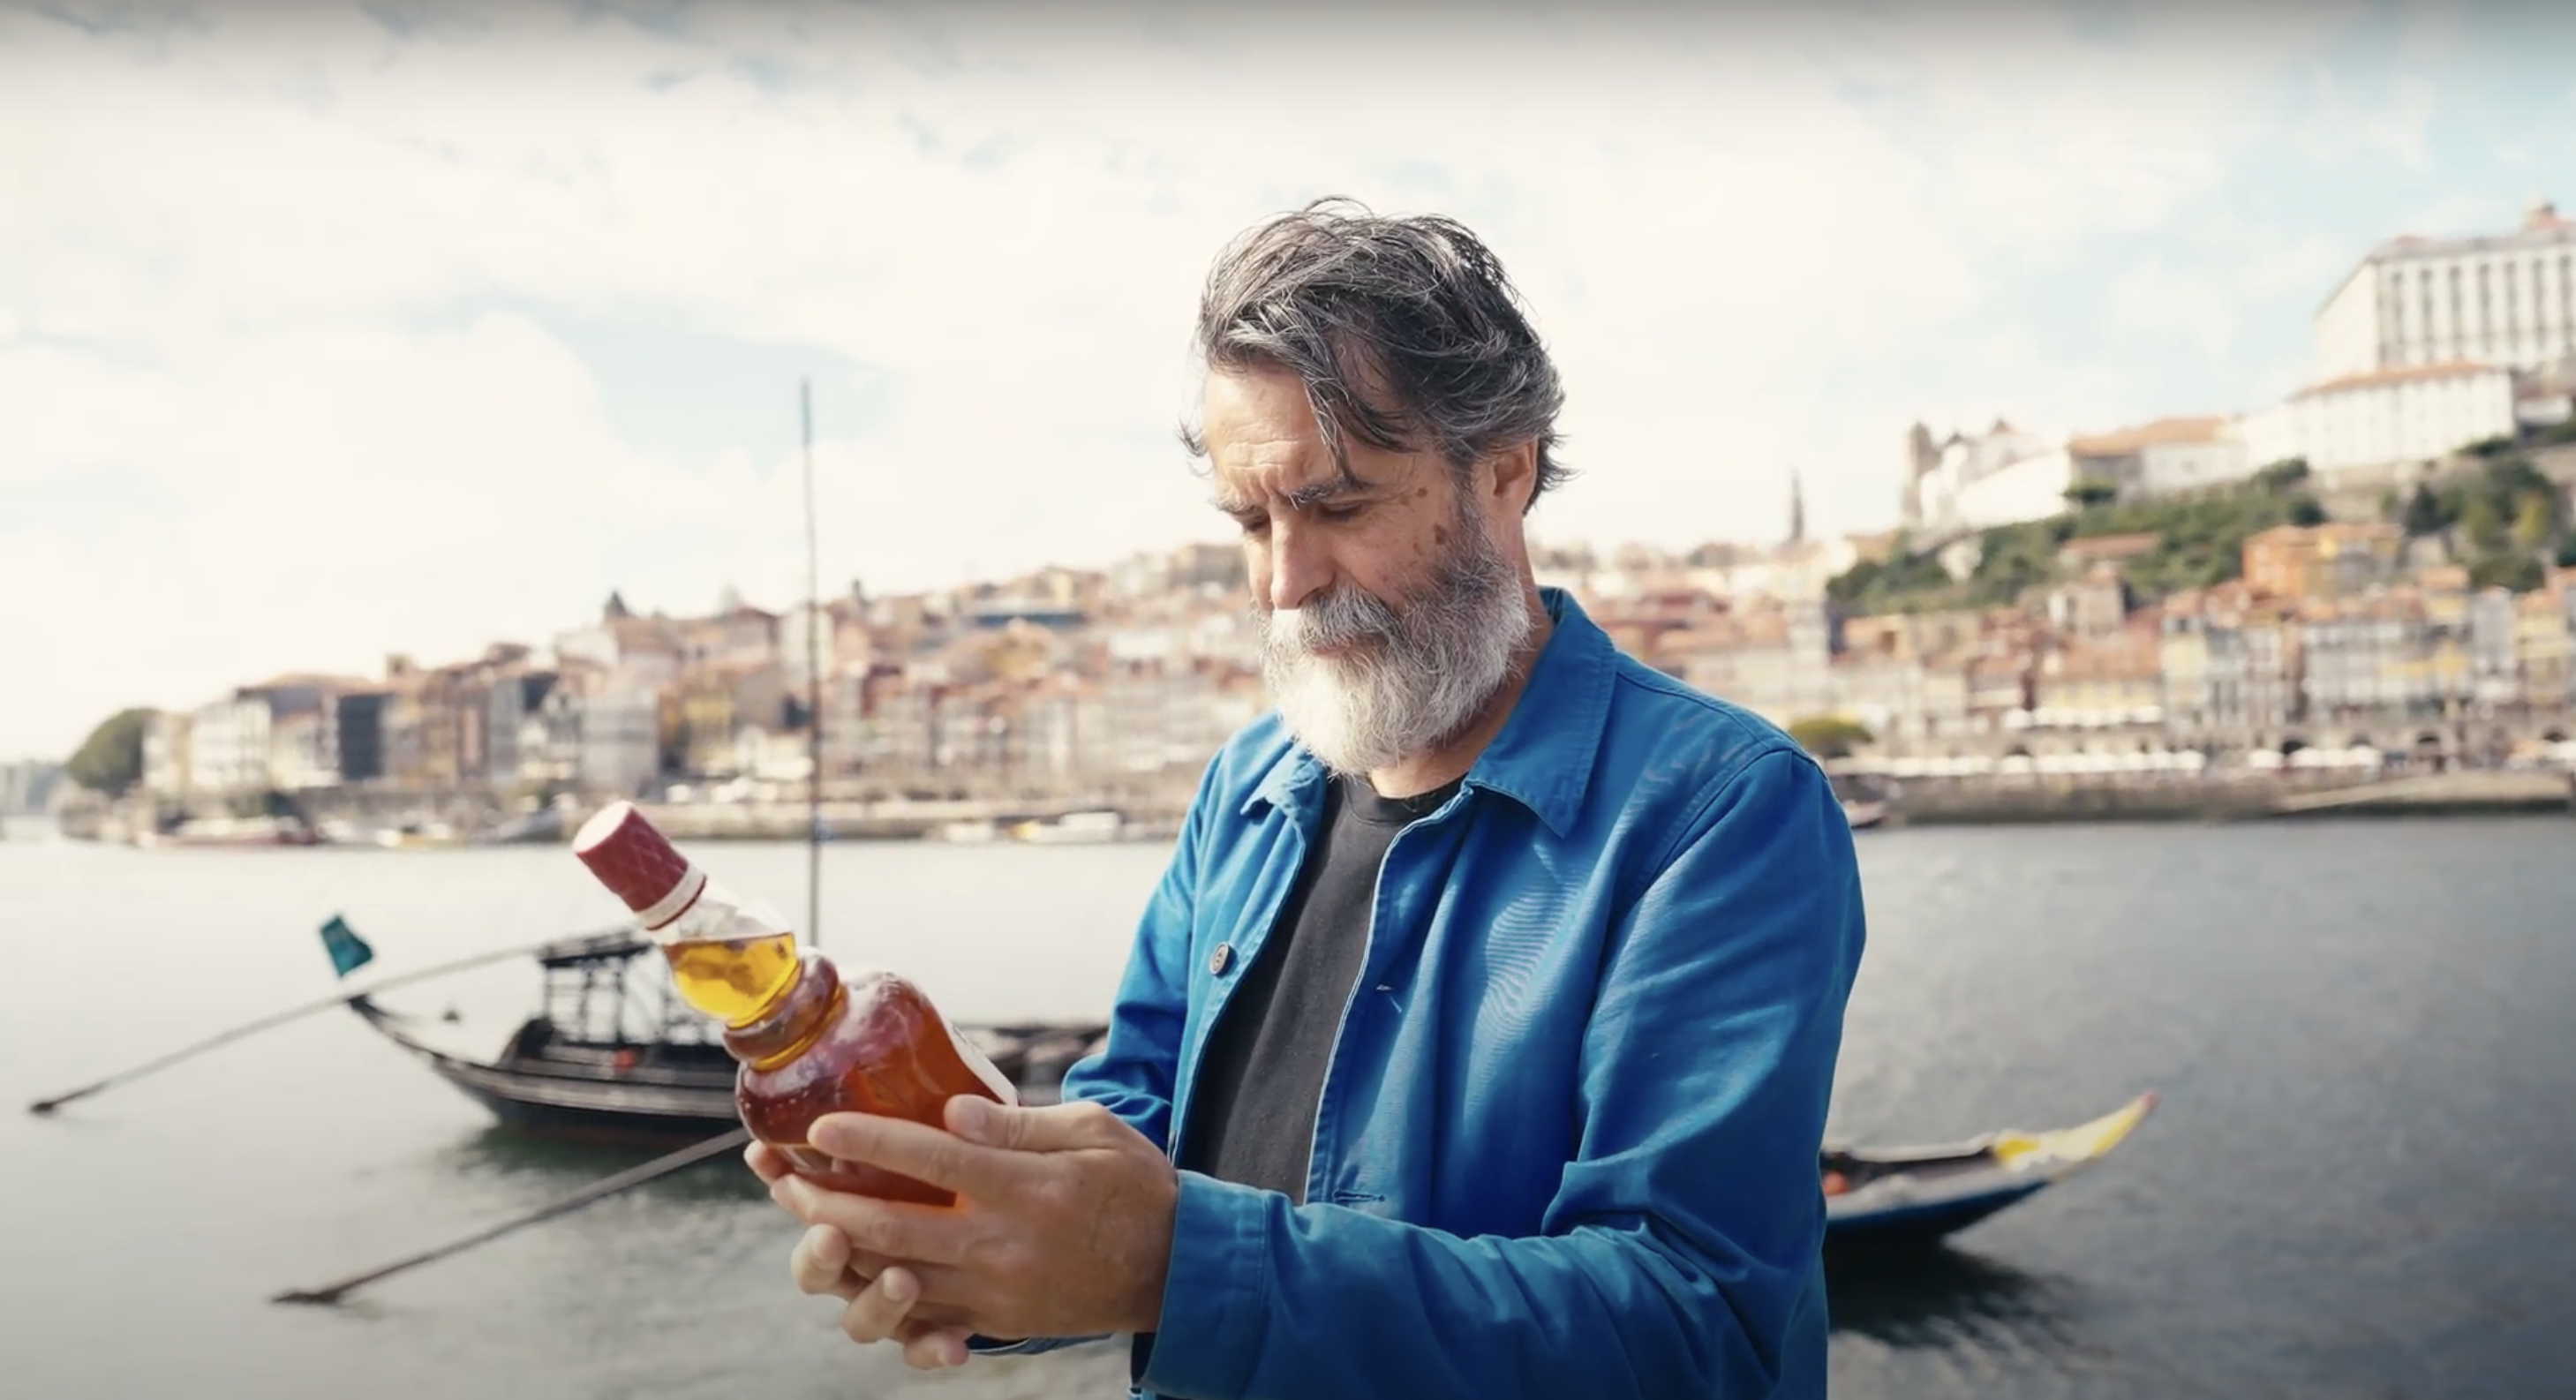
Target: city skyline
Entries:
(331, 337)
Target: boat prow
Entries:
(1920, 1194)
(616, 1059)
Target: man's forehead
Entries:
(1257, 473)
(1262, 440)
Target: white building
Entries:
(2384, 416)
(229, 748)
(808, 635)
(2027, 488)
(168, 766)
(2167, 457)
(2002, 477)
(620, 741)
(27, 786)
(2503, 299)
(304, 749)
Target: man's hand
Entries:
(1062, 1226)
(880, 1295)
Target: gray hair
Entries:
(1402, 329)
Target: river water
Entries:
(2358, 1181)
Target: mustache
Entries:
(1338, 618)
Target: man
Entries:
(1479, 1037)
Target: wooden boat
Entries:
(1917, 1195)
(613, 1056)
(229, 833)
(1071, 829)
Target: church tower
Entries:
(1922, 458)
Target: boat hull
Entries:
(1919, 1196)
(652, 1096)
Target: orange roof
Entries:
(2403, 374)
(2159, 433)
(2130, 655)
(2127, 546)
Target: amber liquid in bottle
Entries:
(820, 1045)
(734, 978)
(809, 1040)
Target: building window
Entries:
(2459, 337)
(2486, 311)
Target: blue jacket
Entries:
(1567, 1144)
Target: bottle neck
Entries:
(780, 1031)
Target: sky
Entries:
(329, 332)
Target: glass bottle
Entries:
(810, 1038)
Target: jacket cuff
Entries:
(1217, 1293)
(981, 1345)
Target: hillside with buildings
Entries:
(2379, 568)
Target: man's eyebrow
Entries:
(1341, 484)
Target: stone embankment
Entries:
(2001, 801)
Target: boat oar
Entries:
(608, 1186)
(46, 1106)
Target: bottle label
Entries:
(977, 1061)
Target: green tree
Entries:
(2085, 495)
(110, 760)
(2567, 552)
(2017, 559)
(2536, 520)
(2482, 521)
(2282, 475)
(2425, 514)
(1829, 736)
(2520, 573)
(2305, 511)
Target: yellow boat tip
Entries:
(2083, 1143)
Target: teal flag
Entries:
(349, 952)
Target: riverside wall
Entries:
(2039, 800)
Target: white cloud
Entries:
(1754, 239)
(2370, 128)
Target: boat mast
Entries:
(813, 689)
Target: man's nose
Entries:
(1299, 566)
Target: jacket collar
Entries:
(1543, 756)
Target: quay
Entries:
(2040, 799)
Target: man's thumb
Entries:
(1053, 1128)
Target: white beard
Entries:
(1419, 677)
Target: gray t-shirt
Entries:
(1252, 1116)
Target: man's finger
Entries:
(765, 1161)
(1057, 1127)
(887, 1229)
(933, 1348)
(874, 1315)
(820, 1263)
(919, 1151)
(890, 1308)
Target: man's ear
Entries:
(1513, 475)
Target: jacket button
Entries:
(1220, 960)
